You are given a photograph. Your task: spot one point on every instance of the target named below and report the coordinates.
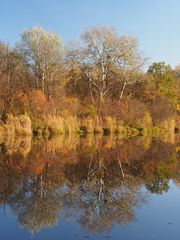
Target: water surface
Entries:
(91, 187)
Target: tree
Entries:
(162, 109)
(13, 74)
(163, 78)
(107, 61)
(177, 74)
(42, 53)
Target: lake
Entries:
(90, 187)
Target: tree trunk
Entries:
(90, 90)
(43, 82)
(122, 92)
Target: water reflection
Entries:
(97, 181)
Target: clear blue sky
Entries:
(154, 22)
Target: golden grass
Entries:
(55, 125)
(20, 125)
(60, 125)
(50, 125)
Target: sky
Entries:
(155, 23)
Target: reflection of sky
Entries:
(159, 218)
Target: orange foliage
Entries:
(70, 106)
(38, 101)
(39, 168)
(38, 98)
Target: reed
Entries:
(19, 125)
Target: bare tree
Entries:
(107, 60)
(42, 52)
(12, 77)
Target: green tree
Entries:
(163, 77)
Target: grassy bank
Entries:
(50, 125)
(54, 125)
(15, 125)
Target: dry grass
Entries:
(55, 125)
(19, 125)
(2, 134)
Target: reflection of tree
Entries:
(35, 204)
(102, 198)
(158, 185)
(37, 201)
(96, 183)
(84, 205)
(158, 166)
(10, 173)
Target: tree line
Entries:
(101, 74)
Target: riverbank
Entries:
(50, 125)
